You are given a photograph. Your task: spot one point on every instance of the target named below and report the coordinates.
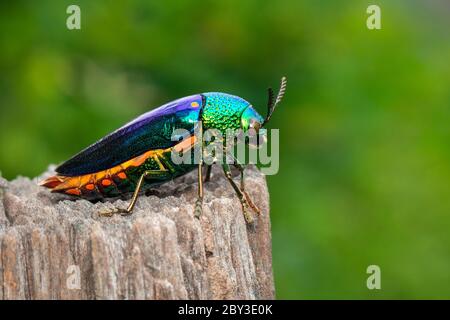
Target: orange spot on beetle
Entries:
(122, 175)
(106, 182)
(75, 192)
(90, 186)
(194, 104)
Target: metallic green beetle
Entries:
(138, 155)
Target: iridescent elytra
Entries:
(138, 155)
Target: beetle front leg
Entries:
(241, 169)
(245, 205)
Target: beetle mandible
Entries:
(138, 155)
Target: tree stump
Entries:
(52, 247)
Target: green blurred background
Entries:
(364, 127)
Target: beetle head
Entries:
(251, 119)
(252, 122)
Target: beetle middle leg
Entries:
(199, 203)
(208, 173)
(129, 209)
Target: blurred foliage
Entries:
(365, 151)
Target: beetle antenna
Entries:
(271, 102)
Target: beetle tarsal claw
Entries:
(247, 215)
(110, 212)
(198, 209)
(251, 204)
(124, 212)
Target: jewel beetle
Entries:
(138, 155)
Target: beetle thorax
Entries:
(222, 111)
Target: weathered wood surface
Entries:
(59, 249)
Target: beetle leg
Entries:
(241, 169)
(199, 203)
(240, 194)
(208, 173)
(129, 209)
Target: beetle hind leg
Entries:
(110, 212)
(129, 209)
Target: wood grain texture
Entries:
(159, 252)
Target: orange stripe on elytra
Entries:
(84, 180)
(136, 162)
(185, 145)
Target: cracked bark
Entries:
(55, 248)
